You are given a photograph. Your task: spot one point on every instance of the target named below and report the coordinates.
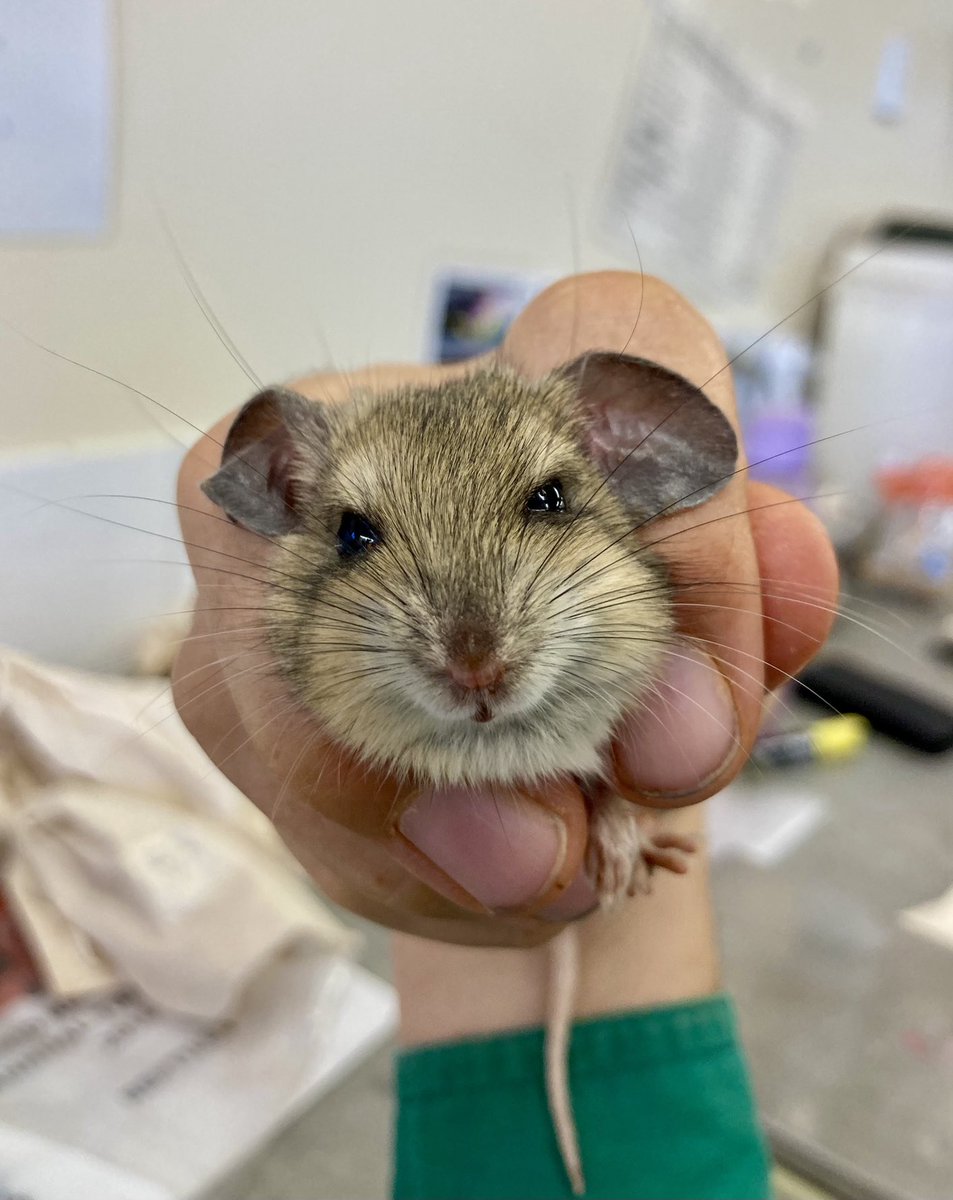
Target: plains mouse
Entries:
(461, 586)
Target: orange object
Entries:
(929, 481)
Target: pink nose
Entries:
(477, 674)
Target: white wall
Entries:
(318, 160)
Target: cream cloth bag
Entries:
(128, 856)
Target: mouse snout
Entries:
(477, 674)
(472, 660)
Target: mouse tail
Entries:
(563, 982)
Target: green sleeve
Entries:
(663, 1107)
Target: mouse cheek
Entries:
(613, 627)
(542, 681)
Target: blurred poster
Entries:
(702, 163)
(472, 310)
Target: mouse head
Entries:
(460, 589)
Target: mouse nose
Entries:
(477, 674)
(471, 658)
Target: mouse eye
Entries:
(548, 498)
(356, 534)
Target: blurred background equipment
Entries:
(885, 351)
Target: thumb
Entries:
(496, 849)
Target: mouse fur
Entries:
(571, 608)
(444, 473)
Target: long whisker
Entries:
(269, 582)
(180, 507)
(111, 379)
(199, 297)
(885, 245)
(644, 547)
(638, 315)
(307, 745)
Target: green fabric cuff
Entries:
(662, 1100)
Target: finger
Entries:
(667, 860)
(509, 850)
(799, 574)
(685, 738)
(677, 751)
(675, 841)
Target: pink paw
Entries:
(625, 848)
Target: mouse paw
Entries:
(615, 858)
(625, 848)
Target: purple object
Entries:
(780, 451)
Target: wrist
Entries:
(648, 951)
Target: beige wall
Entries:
(319, 160)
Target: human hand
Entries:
(504, 866)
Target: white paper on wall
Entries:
(701, 166)
(56, 99)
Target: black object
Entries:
(914, 229)
(891, 708)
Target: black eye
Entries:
(548, 498)
(355, 535)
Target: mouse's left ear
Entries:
(258, 484)
(661, 442)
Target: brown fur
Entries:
(444, 473)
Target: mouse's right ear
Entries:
(663, 445)
(256, 485)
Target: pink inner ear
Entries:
(620, 397)
(260, 418)
(280, 468)
(613, 433)
(256, 484)
(663, 442)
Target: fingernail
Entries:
(579, 899)
(687, 732)
(504, 850)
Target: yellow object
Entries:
(838, 738)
